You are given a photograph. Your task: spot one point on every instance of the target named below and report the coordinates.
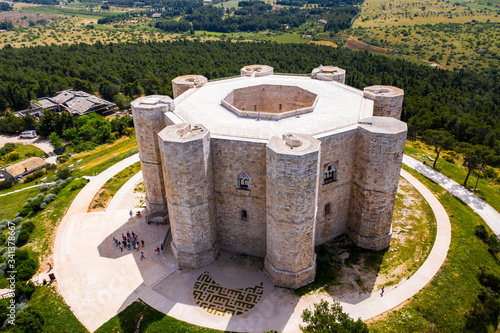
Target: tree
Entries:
(55, 140)
(331, 320)
(70, 134)
(439, 139)
(475, 156)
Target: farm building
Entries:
(77, 103)
(23, 168)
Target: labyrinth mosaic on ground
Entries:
(219, 300)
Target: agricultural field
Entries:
(450, 34)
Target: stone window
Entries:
(243, 181)
(329, 174)
(244, 215)
(327, 209)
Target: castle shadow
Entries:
(170, 286)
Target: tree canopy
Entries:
(465, 104)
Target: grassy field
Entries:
(448, 303)
(95, 161)
(12, 203)
(106, 193)
(150, 320)
(487, 189)
(460, 34)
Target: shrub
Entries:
(63, 173)
(448, 158)
(3, 238)
(12, 157)
(22, 237)
(29, 320)
(4, 225)
(77, 184)
(3, 268)
(7, 148)
(49, 198)
(29, 225)
(62, 159)
(7, 184)
(128, 131)
(26, 266)
(481, 232)
(24, 290)
(17, 220)
(85, 146)
(44, 188)
(50, 167)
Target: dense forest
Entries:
(250, 16)
(465, 104)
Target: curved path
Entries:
(98, 280)
(487, 213)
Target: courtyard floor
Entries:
(98, 280)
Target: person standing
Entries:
(142, 242)
(142, 256)
(130, 213)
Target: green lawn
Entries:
(11, 204)
(150, 319)
(112, 186)
(23, 151)
(446, 303)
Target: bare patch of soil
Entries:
(22, 19)
(355, 44)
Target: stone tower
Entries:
(148, 113)
(188, 178)
(387, 100)
(183, 83)
(380, 145)
(292, 163)
(328, 73)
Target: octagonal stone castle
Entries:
(271, 165)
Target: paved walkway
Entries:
(98, 280)
(25, 188)
(487, 213)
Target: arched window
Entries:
(243, 215)
(329, 174)
(243, 181)
(327, 209)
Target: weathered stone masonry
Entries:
(269, 180)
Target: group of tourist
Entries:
(129, 241)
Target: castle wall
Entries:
(188, 176)
(292, 196)
(379, 147)
(231, 158)
(336, 148)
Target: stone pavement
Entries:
(487, 213)
(97, 280)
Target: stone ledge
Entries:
(196, 260)
(370, 242)
(292, 280)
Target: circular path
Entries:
(98, 280)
